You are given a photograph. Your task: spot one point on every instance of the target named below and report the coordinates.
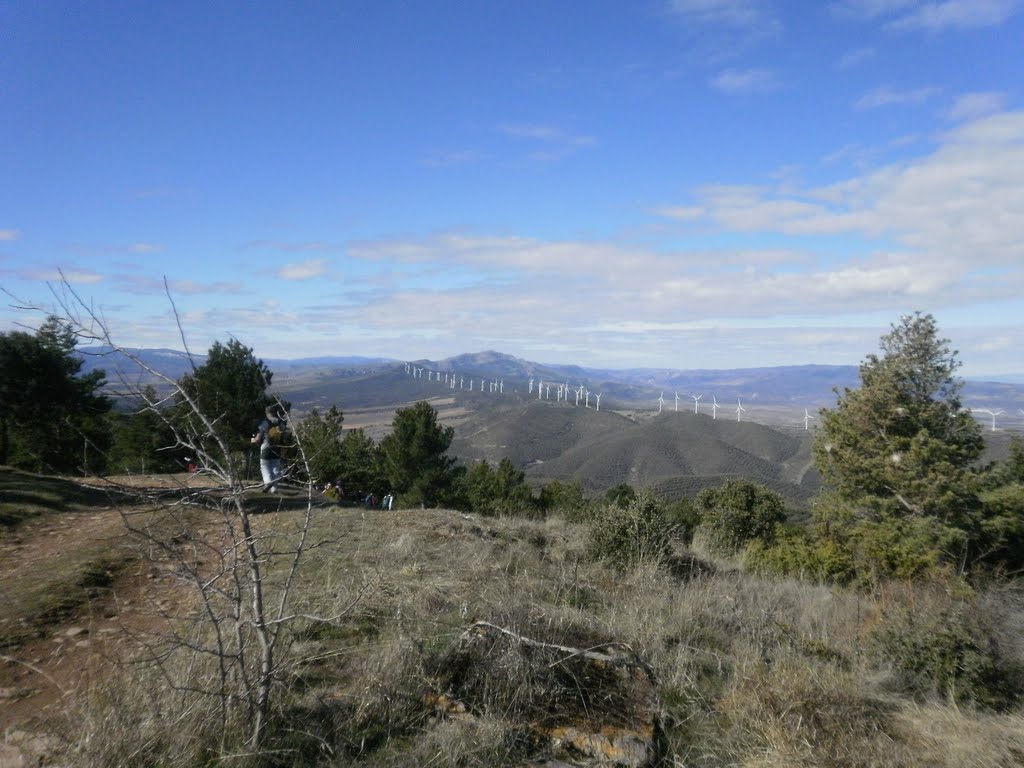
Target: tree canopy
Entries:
(901, 444)
(415, 458)
(53, 418)
(230, 389)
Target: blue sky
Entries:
(669, 183)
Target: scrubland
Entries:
(749, 671)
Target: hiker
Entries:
(270, 454)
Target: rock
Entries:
(585, 707)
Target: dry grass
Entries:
(750, 672)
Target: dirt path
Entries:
(45, 663)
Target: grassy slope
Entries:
(750, 672)
(676, 453)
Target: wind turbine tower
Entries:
(598, 396)
(739, 409)
(807, 419)
(677, 402)
(993, 414)
(714, 407)
(696, 401)
(661, 401)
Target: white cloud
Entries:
(942, 15)
(956, 14)
(746, 81)
(9, 235)
(973, 105)
(961, 206)
(855, 58)
(732, 13)
(448, 158)
(885, 96)
(303, 270)
(142, 248)
(72, 276)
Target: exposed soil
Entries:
(40, 674)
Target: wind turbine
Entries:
(677, 402)
(739, 409)
(993, 414)
(696, 401)
(714, 407)
(598, 396)
(661, 401)
(540, 388)
(807, 419)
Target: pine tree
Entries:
(901, 445)
(53, 417)
(415, 459)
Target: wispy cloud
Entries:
(957, 14)
(56, 275)
(914, 15)
(747, 81)
(303, 270)
(141, 285)
(449, 158)
(550, 142)
(886, 96)
(143, 248)
(9, 235)
(973, 105)
(855, 58)
(301, 246)
(961, 206)
(748, 14)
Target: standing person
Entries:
(270, 454)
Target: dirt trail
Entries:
(40, 675)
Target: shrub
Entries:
(631, 535)
(737, 512)
(794, 552)
(944, 645)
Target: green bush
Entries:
(794, 552)
(684, 516)
(947, 648)
(738, 512)
(627, 536)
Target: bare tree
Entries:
(242, 574)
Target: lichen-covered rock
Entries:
(582, 707)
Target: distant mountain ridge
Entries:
(808, 385)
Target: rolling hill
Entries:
(674, 450)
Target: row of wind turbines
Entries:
(581, 395)
(563, 392)
(740, 410)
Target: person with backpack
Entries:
(269, 436)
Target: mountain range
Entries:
(675, 431)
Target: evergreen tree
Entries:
(414, 457)
(321, 436)
(230, 389)
(360, 464)
(901, 445)
(497, 490)
(143, 440)
(52, 417)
